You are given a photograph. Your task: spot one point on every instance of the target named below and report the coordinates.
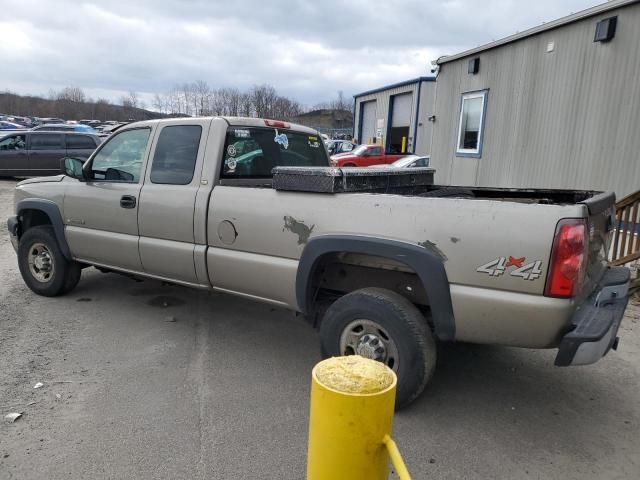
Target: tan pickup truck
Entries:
(383, 272)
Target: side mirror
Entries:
(72, 167)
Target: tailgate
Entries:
(601, 216)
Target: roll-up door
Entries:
(398, 140)
(402, 110)
(368, 127)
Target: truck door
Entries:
(374, 156)
(101, 214)
(45, 152)
(167, 201)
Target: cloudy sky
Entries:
(308, 50)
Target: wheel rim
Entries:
(41, 263)
(369, 339)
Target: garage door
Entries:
(402, 110)
(368, 127)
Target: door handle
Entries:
(128, 201)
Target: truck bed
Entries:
(413, 182)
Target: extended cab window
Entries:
(121, 157)
(252, 152)
(176, 153)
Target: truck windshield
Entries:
(252, 152)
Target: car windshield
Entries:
(252, 152)
(359, 150)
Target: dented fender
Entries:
(426, 262)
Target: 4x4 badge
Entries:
(497, 267)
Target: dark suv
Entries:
(39, 153)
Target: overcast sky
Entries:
(308, 50)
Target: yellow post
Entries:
(404, 144)
(352, 404)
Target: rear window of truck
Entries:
(252, 152)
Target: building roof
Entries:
(396, 85)
(589, 12)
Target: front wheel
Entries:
(43, 267)
(382, 325)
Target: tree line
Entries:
(262, 101)
(188, 99)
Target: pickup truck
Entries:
(364, 156)
(381, 274)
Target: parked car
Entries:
(30, 153)
(410, 161)
(64, 127)
(383, 275)
(45, 120)
(364, 156)
(340, 146)
(5, 125)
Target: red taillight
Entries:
(566, 268)
(276, 124)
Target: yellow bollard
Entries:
(404, 144)
(352, 404)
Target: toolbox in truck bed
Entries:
(349, 179)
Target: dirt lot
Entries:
(222, 392)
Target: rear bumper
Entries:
(596, 322)
(12, 224)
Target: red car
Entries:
(364, 156)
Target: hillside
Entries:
(69, 109)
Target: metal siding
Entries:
(565, 119)
(424, 129)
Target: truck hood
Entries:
(54, 178)
(338, 156)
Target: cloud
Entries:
(307, 50)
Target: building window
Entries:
(471, 126)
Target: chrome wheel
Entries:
(369, 339)
(41, 263)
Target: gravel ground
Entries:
(222, 392)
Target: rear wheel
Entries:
(382, 325)
(43, 267)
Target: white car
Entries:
(410, 161)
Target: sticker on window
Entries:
(231, 164)
(231, 150)
(282, 139)
(242, 133)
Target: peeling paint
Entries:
(433, 248)
(299, 228)
(455, 239)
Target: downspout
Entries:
(415, 126)
(353, 133)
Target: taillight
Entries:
(568, 257)
(276, 124)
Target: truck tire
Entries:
(383, 325)
(42, 265)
